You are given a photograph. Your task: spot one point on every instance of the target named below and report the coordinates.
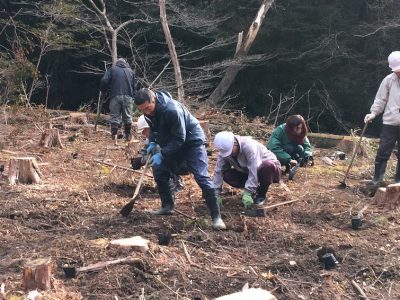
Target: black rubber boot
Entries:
(127, 132)
(380, 168)
(211, 201)
(114, 132)
(167, 197)
(261, 196)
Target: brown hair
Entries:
(294, 121)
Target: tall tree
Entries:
(242, 49)
(172, 51)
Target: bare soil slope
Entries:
(75, 211)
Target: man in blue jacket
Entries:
(119, 80)
(175, 137)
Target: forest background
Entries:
(323, 59)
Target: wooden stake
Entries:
(37, 274)
(23, 170)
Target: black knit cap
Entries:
(143, 95)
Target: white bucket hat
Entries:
(224, 141)
(394, 61)
(142, 124)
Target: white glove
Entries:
(369, 117)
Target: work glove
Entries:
(152, 148)
(247, 199)
(156, 159)
(369, 117)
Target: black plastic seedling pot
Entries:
(330, 261)
(164, 239)
(69, 272)
(356, 222)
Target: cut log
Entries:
(137, 243)
(51, 138)
(37, 274)
(78, 118)
(23, 170)
(252, 293)
(388, 197)
(322, 140)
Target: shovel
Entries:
(126, 210)
(343, 184)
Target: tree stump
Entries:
(37, 274)
(51, 138)
(388, 197)
(23, 170)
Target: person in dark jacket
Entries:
(176, 137)
(289, 142)
(143, 129)
(119, 81)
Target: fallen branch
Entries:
(187, 253)
(120, 167)
(73, 271)
(359, 289)
(185, 215)
(280, 204)
(160, 281)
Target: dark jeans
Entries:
(295, 151)
(268, 172)
(389, 135)
(196, 161)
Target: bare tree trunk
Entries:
(101, 11)
(242, 50)
(172, 51)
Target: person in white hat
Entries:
(387, 100)
(143, 128)
(137, 162)
(245, 163)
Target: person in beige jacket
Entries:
(245, 163)
(387, 100)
